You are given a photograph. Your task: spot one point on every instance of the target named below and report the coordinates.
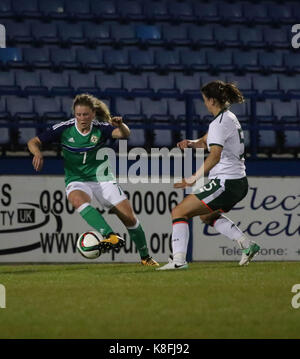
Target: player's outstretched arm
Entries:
(212, 159)
(199, 143)
(34, 146)
(122, 130)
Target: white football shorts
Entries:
(108, 194)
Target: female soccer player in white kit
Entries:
(228, 183)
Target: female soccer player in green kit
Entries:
(81, 138)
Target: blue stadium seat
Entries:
(155, 110)
(252, 37)
(97, 34)
(6, 10)
(267, 139)
(71, 34)
(142, 60)
(267, 85)
(37, 58)
(201, 35)
(110, 83)
(292, 62)
(62, 59)
(123, 34)
(206, 12)
(26, 9)
(245, 61)
(163, 84)
(156, 11)
(67, 106)
(104, 10)
(90, 59)
(281, 13)
(177, 110)
(162, 117)
(231, 13)
(5, 137)
(174, 35)
(256, 13)
(54, 9)
(56, 83)
(227, 36)
(295, 10)
(264, 112)
(244, 83)
(199, 111)
(20, 107)
(27, 129)
(181, 11)
(193, 60)
(276, 38)
(292, 139)
(289, 84)
(116, 60)
(286, 111)
(18, 33)
(220, 61)
(4, 115)
(83, 83)
(48, 108)
(148, 35)
(29, 83)
(45, 33)
(5, 129)
(130, 10)
(22, 112)
(242, 112)
(130, 110)
(8, 84)
(271, 62)
(205, 79)
(78, 10)
(137, 84)
(189, 84)
(168, 60)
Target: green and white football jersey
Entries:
(81, 162)
(226, 131)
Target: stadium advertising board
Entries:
(269, 215)
(39, 225)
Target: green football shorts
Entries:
(223, 194)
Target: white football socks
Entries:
(180, 240)
(225, 226)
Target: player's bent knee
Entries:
(177, 213)
(76, 201)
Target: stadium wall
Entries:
(38, 224)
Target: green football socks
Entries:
(95, 220)
(137, 235)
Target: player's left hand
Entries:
(186, 182)
(117, 121)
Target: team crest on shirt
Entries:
(94, 139)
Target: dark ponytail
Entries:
(226, 93)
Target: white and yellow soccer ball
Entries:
(88, 244)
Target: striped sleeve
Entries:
(53, 134)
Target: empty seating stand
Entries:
(149, 60)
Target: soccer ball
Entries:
(88, 244)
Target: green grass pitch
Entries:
(127, 301)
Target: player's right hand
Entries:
(38, 162)
(185, 144)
